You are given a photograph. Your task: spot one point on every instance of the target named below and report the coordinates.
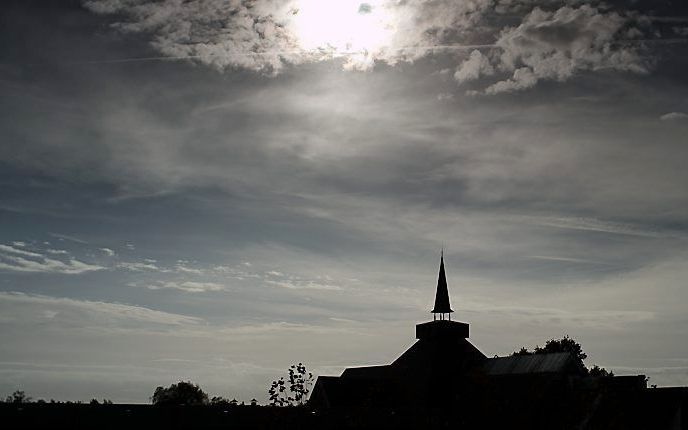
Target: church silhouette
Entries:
(441, 382)
(443, 375)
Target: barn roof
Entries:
(560, 362)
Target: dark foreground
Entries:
(663, 408)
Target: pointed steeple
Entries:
(442, 305)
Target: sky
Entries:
(213, 190)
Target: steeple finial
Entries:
(442, 305)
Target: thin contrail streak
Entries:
(134, 59)
(326, 52)
(283, 52)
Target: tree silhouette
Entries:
(522, 351)
(181, 393)
(599, 371)
(18, 397)
(300, 382)
(219, 401)
(565, 344)
(277, 394)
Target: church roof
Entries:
(442, 295)
(559, 362)
(368, 372)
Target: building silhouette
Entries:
(441, 382)
(444, 380)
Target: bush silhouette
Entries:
(181, 393)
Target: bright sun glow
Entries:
(341, 26)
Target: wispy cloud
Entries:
(140, 266)
(608, 319)
(308, 285)
(21, 307)
(297, 282)
(68, 237)
(182, 266)
(20, 260)
(564, 259)
(186, 286)
(674, 116)
(15, 250)
(602, 226)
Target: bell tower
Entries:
(441, 325)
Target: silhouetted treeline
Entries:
(651, 409)
(19, 397)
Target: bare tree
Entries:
(300, 382)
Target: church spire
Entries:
(442, 305)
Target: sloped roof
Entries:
(450, 353)
(560, 362)
(369, 372)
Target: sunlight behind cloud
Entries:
(342, 27)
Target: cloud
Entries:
(557, 45)
(266, 35)
(474, 67)
(109, 252)
(22, 308)
(607, 319)
(604, 226)
(674, 116)
(187, 286)
(14, 250)
(68, 237)
(445, 97)
(138, 266)
(183, 267)
(218, 33)
(564, 259)
(310, 285)
(358, 176)
(20, 260)
(47, 344)
(295, 282)
(522, 79)
(681, 31)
